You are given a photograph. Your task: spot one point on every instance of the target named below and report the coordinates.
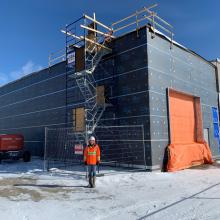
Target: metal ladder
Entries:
(87, 85)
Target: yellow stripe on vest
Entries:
(92, 153)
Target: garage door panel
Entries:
(187, 146)
(182, 118)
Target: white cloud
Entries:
(26, 69)
(3, 79)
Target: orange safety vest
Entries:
(92, 154)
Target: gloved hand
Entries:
(97, 163)
(85, 163)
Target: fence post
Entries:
(45, 149)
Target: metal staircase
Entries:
(86, 83)
(95, 59)
(95, 48)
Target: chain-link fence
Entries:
(122, 147)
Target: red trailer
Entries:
(12, 147)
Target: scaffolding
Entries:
(132, 22)
(87, 41)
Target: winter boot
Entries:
(90, 181)
(93, 181)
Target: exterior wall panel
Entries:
(183, 71)
(30, 104)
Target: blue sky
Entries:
(29, 30)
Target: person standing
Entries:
(92, 159)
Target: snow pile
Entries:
(27, 193)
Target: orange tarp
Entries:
(188, 155)
(187, 146)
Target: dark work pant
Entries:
(92, 170)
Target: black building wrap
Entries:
(136, 76)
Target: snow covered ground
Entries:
(27, 193)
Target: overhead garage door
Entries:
(182, 118)
(187, 146)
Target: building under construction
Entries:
(128, 75)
